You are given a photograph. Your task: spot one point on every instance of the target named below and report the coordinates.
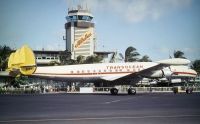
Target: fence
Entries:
(138, 89)
(143, 89)
(95, 90)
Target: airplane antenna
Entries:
(170, 55)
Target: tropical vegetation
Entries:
(179, 54)
(4, 55)
(131, 54)
(196, 65)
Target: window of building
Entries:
(80, 17)
(84, 17)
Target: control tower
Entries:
(80, 35)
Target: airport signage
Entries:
(83, 39)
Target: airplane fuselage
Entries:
(93, 71)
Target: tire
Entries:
(131, 91)
(114, 91)
(189, 90)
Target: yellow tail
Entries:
(23, 61)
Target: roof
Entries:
(46, 51)
(103, 52)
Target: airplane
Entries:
(23, 62)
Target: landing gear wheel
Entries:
(114, 91)
(189, 90)
(131, 91)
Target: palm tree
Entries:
(178, 54)
(93, 59)
(5, 52)
(64, 57)
(196, 66)
(116, 57)
(131, 54)
(80, 59)
(145, 58)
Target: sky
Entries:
(154, 27)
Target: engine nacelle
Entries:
(157, 74)
(161, 74)
(167, 73)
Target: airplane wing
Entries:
(113, 78)
(136, 76)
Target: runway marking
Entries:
(100, 118)
(112, 101)
(119, 100)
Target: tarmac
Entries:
(148, 108)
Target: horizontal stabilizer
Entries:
(175, 61)
(22, 61)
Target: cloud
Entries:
(134, 10)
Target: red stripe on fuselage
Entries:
(184, 73)
(97, 73)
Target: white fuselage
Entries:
(183, 71)
(93, 71)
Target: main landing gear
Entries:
(131, 91)
(114, 91)
(189, 90)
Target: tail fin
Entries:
(23, 61)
